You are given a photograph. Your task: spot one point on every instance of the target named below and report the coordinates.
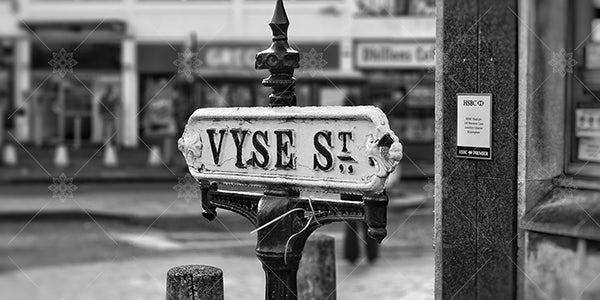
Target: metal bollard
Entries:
(195, 282)
(316, 276)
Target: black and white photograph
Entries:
(299, 149)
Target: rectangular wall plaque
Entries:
(589, 150)
(474, 126)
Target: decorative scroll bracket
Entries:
(371, 210)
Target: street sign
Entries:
(342, 149)
(285, 148)
(474, 126)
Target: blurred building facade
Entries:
(68, 55)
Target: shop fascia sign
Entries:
(241, 56)
(394, 55)
(332, 149)
(238, 57)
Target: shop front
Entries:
(401, 83)
(224, 76)
(6, 86)
(74, 68)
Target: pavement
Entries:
(117, 240)
(243, 279)
(66, 198)
(36, 165)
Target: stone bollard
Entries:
(195, 282)
(316, 276)
(9, 155)
(110, 157)
(154, 156)
(61, 156)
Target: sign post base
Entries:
(279, 258)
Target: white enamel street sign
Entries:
(343, 149)
(474, 126)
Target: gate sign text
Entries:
(343, 149)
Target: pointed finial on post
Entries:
(280, 22)
(281, 60)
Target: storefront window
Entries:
(43, 105)
(69, 109)
(583, 133)
(75, 75)
(228, 95)
(6, 83)
(339, 95)
(407, 98)
(388, 8)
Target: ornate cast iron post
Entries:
(284, 220)
(281, 60)
(280, 266)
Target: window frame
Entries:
(573, 166)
